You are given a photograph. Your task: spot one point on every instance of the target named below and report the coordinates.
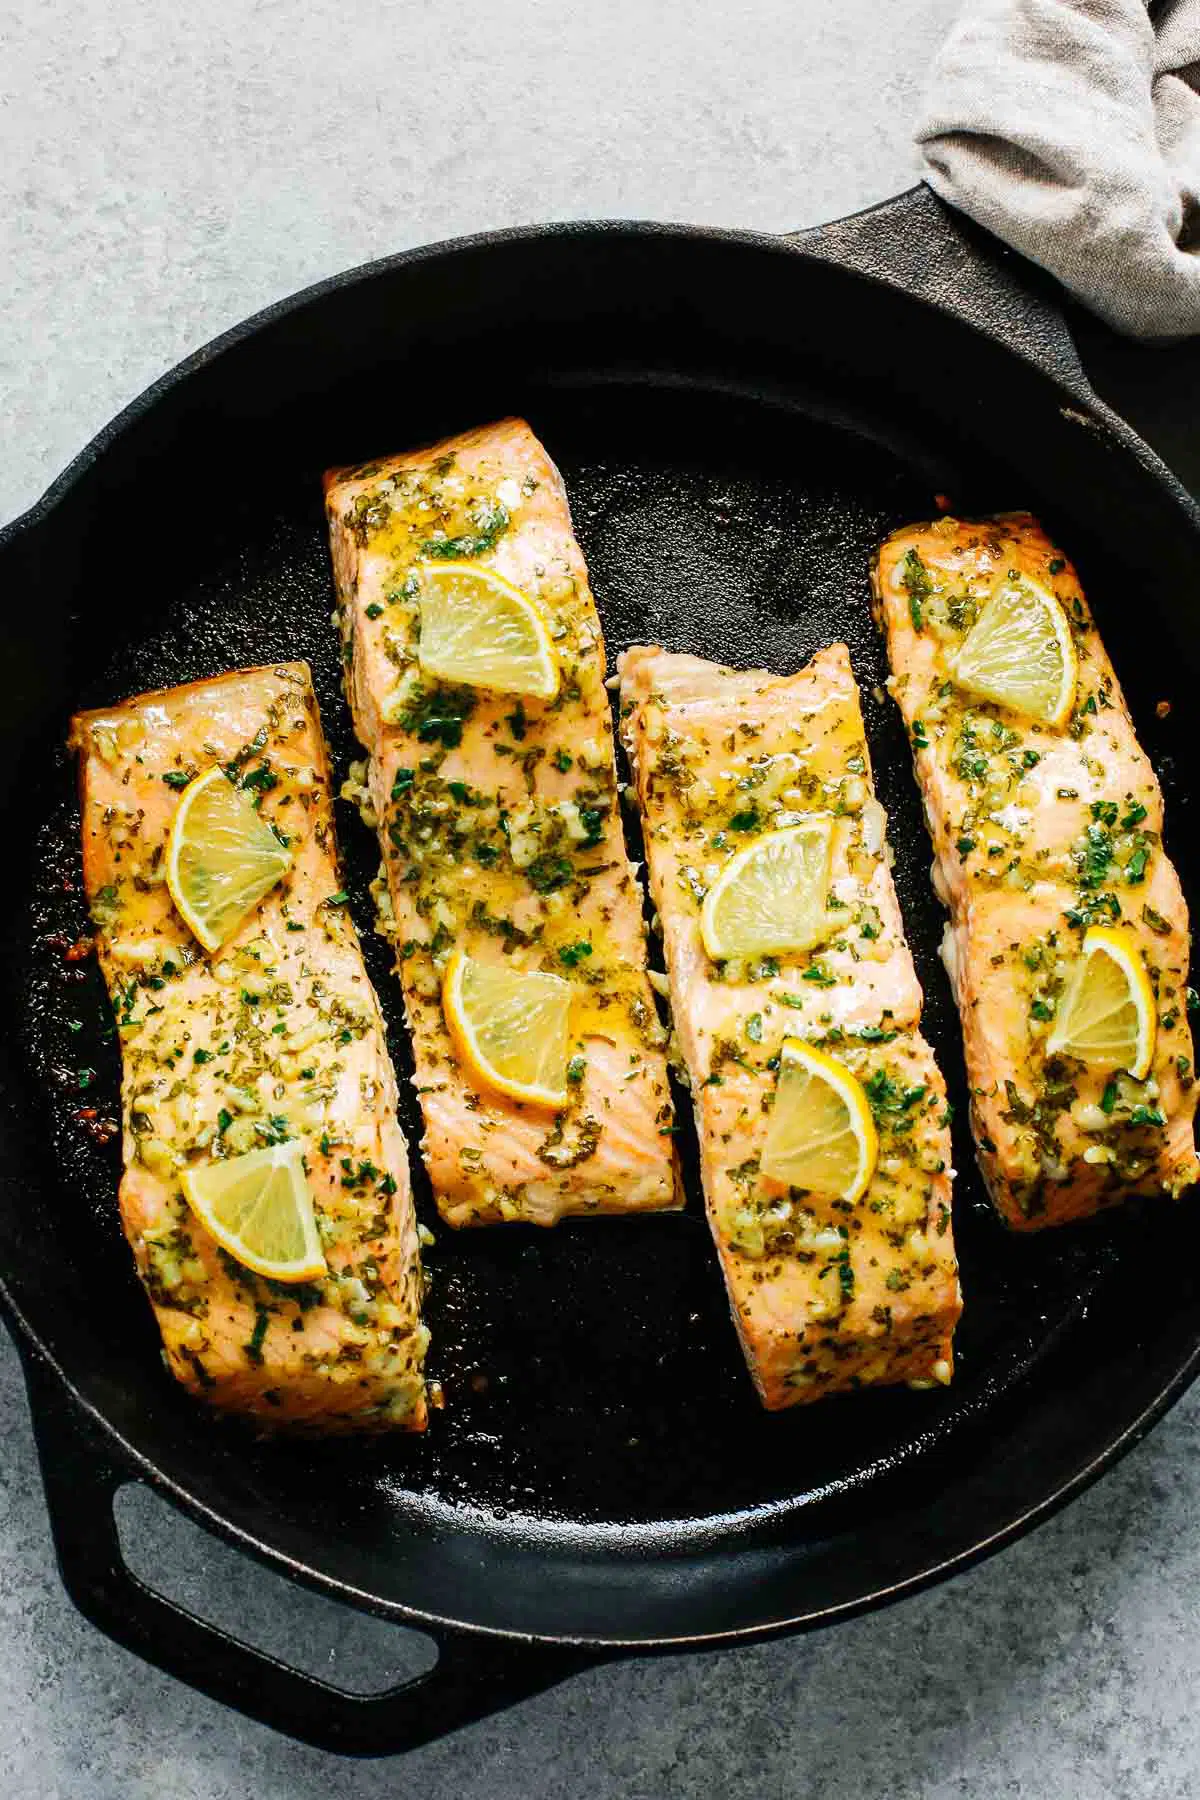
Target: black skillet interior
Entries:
(737, 426)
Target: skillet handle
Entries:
(918, 243)
(471, 1678)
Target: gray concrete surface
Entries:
(165, 170)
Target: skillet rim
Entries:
(806, 244)
(1076, 392)
(139, 1467)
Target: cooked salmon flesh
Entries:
(827, 1294)
(499, 828)
(1040, 832)
(274, 1037)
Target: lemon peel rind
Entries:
(846, 1084)
(467, 1050)
(544, 661)
(288, 1155)
(1121, 947)
(1053, 612)
(280, 860)
(719, 949)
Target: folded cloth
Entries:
(1071, 129)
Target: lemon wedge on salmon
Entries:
(821, 1135)
(772, 896)
(478, 629)
(1107, 1015)
(259, 1208)
(1020, 653)
(222, 858)
(509, 1027)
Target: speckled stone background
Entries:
(165, 170)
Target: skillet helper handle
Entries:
(471, 1678)
(918, 243)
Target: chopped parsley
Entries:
(1093, 908)
(819, 975)
(592, 820)
(254, 1344)
(870, 924)
(517, 722)
(915, 578)
(891, 1102)
(260, 780)
(548, 872)
(491, 521)
(1093, 856)
(436, 715)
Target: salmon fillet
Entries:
(1039, 833)
(826, 1296)
(277, 1035)
(500, 832)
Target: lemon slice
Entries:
(479, 629)
(821, 1135)
(1106, 1015)
(222, 859)
(771, 896)
(1019, 653)
(259, 1208)
(509, 1027)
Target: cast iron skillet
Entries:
(738, 419)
